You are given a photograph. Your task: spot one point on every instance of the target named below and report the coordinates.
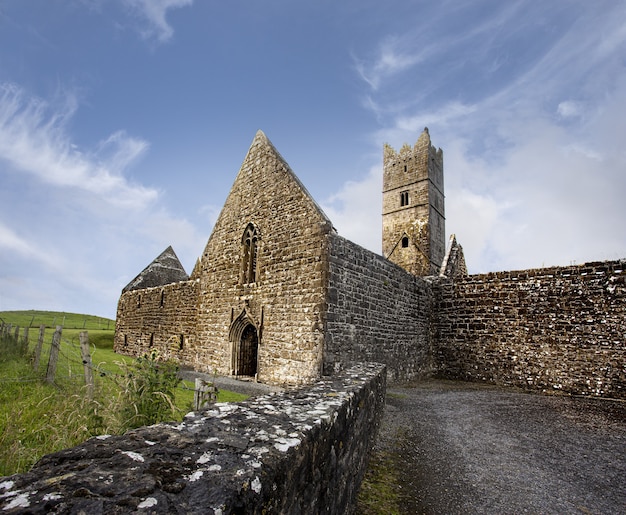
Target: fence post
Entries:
(25, 341)
(84, 350)
(42, 330)
(204, 393)
(54, 355)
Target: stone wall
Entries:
(285, 300)
(163, 318)
(553, 329)
(302, 451)
(375, 312)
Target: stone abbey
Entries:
(278, 296)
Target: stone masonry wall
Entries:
(163, 318)
(375, 312)
(302, 451)
(553, 329)
(285, 301)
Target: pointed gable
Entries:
(263, 163)
(165, 269)
(263, 188)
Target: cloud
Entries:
(33, 139)
(153, 13)
(62, 247)
(533, 161)
(353, 210)
(391, 60)
(11, 242)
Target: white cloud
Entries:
(354, 210)
(534, 161)
(154, 13)
(62, 247)
(569, 109)
(33, 139)
(390, 61)
(11, 242)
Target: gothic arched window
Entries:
(250, 254)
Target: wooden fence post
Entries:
(42, 330)
(54, 355)
(204, 394)
(84, 350)
(25, 342)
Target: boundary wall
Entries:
(300, 451)
(376, 312)
(552, 329)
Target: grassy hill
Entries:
(33, 318)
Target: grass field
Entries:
(32, 318)
(37, 418)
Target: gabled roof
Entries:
(165, 269)
(262, 141)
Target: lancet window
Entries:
(249, 265)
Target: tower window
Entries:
(404, 198)
(405, 242)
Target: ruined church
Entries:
(279, 297)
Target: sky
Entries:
(123, 124)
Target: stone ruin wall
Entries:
(161, 318)
(287, 299)
(376, 312)
(553, 329)
(301, 451)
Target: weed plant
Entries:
(148, 391)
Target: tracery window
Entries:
(249, 264)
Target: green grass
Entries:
(32, 318)
(37, 418)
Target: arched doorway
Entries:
(247, 352)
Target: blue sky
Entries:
(124, 122)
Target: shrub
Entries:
(148, 391)
(12, 348)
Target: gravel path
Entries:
(467, 448)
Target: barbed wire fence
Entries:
(67, 361)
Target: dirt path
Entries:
(449, 447)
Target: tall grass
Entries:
(37, 418)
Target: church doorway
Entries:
(247, 353)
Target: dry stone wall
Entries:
(553, 329)
(375, 312)
(301, 451)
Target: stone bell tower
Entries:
(414, 223)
